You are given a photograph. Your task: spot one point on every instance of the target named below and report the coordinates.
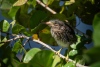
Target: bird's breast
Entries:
(60, 38)
(62, 44)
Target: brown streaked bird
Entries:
(63, 34)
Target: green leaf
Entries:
(96, 64)
(23, 65)
(17, 46)
(92, 1)
(45, 1)
(32, 2)
(59, 16)
(62, 9)
(13, 23)
(69, 64)
(92, 55)
(43, 58)
(30, 54)
(4, 40)
(80, 59)
(36, 18)
(68, 3)
(78, 41)
(72, 8)
(22, 16)
(5, 60)
(5, 26)
(18, 29)
(38, 28)
(15, 62)
(19, 2)
(45, 35)
(6, 4)
(96, 26)
(73, 46)
(48, 2)
(72, 17)
(73, 52)
(13, 11)
(56, 60)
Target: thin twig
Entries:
(46, 7)
(29, 44)
(25, 42)
(17, 37)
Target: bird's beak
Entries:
(49, 23)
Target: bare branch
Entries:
(25, 42)
(46, 7)
(17, 37)
(29, 44)
(60, 55)
(47, 46)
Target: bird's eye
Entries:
(56, 24)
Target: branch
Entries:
(46, 7)
(17, 37)
(47, 46)
(60, 55)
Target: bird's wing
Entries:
(70, 33)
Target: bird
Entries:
(62, 32)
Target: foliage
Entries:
(27, 18)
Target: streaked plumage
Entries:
(62, 33)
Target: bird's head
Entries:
(54, 23)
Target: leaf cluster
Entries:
(28, 18)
